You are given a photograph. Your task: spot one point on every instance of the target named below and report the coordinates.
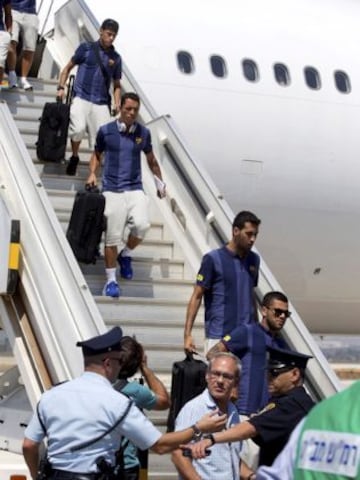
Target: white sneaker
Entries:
(12, 80)
(25, 84)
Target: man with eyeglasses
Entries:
(249, 343)
(85, 419)
(288, 404)
(222, 375)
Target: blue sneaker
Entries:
(126, 270)
(111, 289)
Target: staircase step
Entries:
(157, 312)
(153, 288)
(144, 268)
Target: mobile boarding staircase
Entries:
(59, 302)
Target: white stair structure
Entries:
(59, 302)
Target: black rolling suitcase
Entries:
(188, 380)
(53, 129)
(86, 225)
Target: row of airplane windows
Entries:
(251, 72)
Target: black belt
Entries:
(63, 475)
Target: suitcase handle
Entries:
(90, 187)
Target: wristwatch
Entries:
(197, 432)
(59, 87)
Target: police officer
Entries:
(288, 404)
(85, 418)
(328, 439)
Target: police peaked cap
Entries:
(281, 358)
(108, 342)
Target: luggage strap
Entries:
(80, 446)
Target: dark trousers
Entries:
(62, 475)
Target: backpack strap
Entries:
(95, 48)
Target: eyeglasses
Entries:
(279, 311)
(275, 372)
(215, 374)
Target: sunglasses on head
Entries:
(279, 311)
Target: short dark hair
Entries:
(131, 356)
(270, 296)
(110, 24)
(131, 95)
(243, 217)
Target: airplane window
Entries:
(282, 75)
(312, 78)
(342, 81)
(250, 70)
(185, 62)
(218, 66)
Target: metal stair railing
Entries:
(52, 295)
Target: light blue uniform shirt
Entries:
(80, 410)
(224, 460)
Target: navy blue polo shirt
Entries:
(249, 344)
(26, 6)
(3, 3)
(122, 161)
(229, 282)
(90, 83)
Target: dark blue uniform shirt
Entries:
(278, 419)
(90, 83)
(122, 162)
(26, 6)
(249, 343)
(229, 282)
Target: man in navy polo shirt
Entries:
(90, 107)
(226, 279)
(249, 343)
(5, 33)
(122, 142)
(26, 24)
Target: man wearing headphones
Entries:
(121, 143)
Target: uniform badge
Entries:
(111, 62)
(268, 407)
(200, 277)
(138, 140)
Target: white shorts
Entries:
(4, 47)
(28, 25)
(88, 116)
(249, 451)
(125, 209)
(209, 343)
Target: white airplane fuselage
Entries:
(289, 153)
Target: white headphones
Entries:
(123, 127)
